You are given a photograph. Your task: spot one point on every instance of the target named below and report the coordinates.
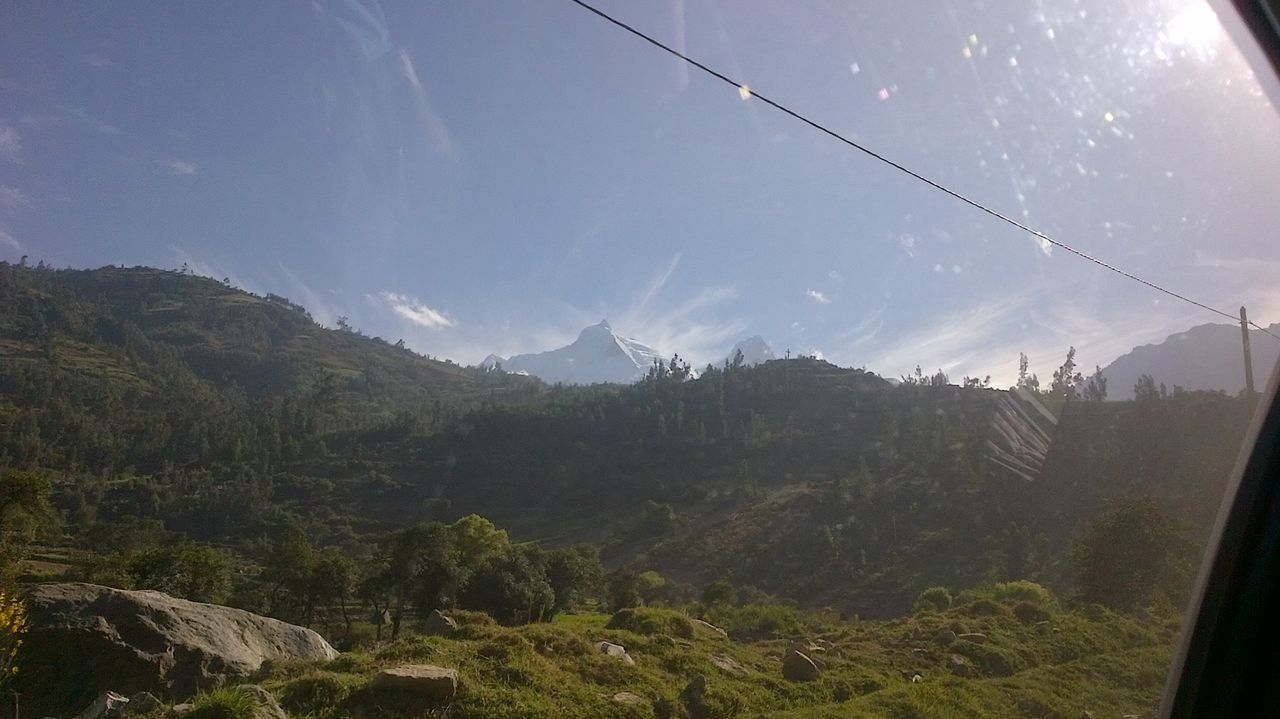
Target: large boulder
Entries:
(85, 640)
(798, 667)
(439, 625)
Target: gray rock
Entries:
(617, 651)
(728, 664)
(141, 703)
(961, 667)
(108, 704)
(974, 637)
(628, 699)
(422, 680)
(268, 707)
(182, 709)
(438, 625)
(708, 628)
(916, 678)
(86, 639)
(798, 667)
(944, 636)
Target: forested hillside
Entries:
(161, 404)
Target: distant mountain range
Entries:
(1206, 357)
(602, 355)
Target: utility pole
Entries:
(1248, 356)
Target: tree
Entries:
(24, 508)
(332, 582)
(1132, 552)
(1066, 378)
(188, 570)
(719, 592)
(1027, 380)
(1095, 390)
(1144, 390)
(476, 539)
(624, 589)
(511, 587)
(575, 574)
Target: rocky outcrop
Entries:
(87, 639)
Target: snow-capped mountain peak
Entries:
(598, 355)
(755, 350)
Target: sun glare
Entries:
(1195, 28)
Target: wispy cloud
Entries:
(206, 268)
(321, 310)
(415, 311)
(97, 59)
(7, 241)
(817, 297)
(694, 326)
(13, 199)
(181, 168)
(434, 127)
(10, 143)
(865, 330)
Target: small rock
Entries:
(182, 709)
(798, 667)
(709, 628)
(728, 664)
(427, 681)
(628, 699)
(1044, 627)
(916, 679)
(268, 707)
(1087, 715)
(961, 666)
(141, 703)
(944, 636)
(439, 625)
(106, 705)
(975, 637)
(615, 650)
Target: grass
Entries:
(1084, 660)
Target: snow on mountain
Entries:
(598, 355)
(1208, 356)
(755, 350)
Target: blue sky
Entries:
(491, 176)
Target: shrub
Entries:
(1029, 613)
(649, 620)
(224, 704)
(752, 622)
(13, 627)
(933, 599)
(316, 692)
(984, 608)
(1022, 591)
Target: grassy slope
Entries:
(1092, 660)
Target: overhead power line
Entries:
(749, 92)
